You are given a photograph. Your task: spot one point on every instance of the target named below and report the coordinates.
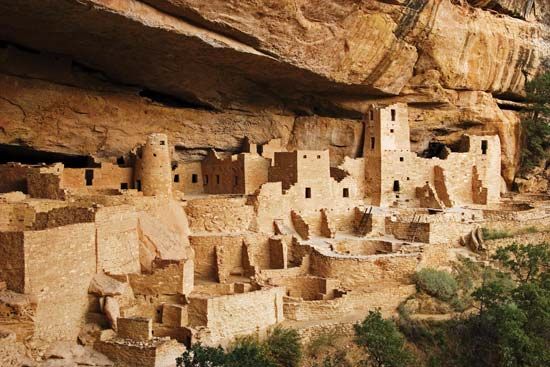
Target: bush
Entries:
(248, 352)
(382, 341)
(284, 347)
(494, 234)
(436, 283)
(199, 356)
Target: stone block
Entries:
(135, 328)
(174, 315)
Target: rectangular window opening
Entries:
(124, 186)
(138, 185)
(194, 178)
(308, 192)
(89, 177)
(176, 178)
(396, 186)
(236, 180)
(401, 159)
(305, 156)
(392, 114)
(217, 179)
(371, 115)
(162, 142)
(391, 130)
(372, 143)
(484, 146)
(345, 192)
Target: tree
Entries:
(513, 324)
(248, 352)
(284, 347)
(382, 341)
(199, 356)
(535, 126)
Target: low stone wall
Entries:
(356, 272)
(237, 314)
(219, 214)
(356, 303)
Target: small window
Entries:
(345, 192)
(371, 115)
(154, 154)
(408, 178)
(124, 186)
(391, 130)
(89, 177)
(176, 178)
(372, 143)
(217, 179)
(484, 147)
(305, 156)
(236, 180)
(206, 179)
(138, 185)
(392, 114)
(194, 178)
(259, 149)
(396, 186)
(308, 192)
(401, 159)
(318, 157)
(120, 161)
(162, 142)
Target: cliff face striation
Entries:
(96, 76)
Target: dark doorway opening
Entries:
(308, 192)
(396, 186)
(89, 177)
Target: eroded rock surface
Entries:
(101, 75)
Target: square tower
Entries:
(386, 132)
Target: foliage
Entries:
(284, 347)
(535, 127)
(495, 234)
(281, 349)
(248, 352)
(512, 325)
(321, 342)
(382, 341)
(199, 356)
(436, 283)
(338, 359)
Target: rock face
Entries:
(103, 74)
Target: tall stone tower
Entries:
(156, 169)
(386, 132)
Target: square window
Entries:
(401, 159)
(391, 130)
(124, 186)
(162, 142)
(318, 157)
(305, 156)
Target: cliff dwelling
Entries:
(177, 173)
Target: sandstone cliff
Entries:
(96, 76)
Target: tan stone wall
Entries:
(117, 240)
(61, 290)
(241, 313)
(357, 272)
(135, 328)
(219, 214)
(45, 182)
(187, 171)
(12, 260)
(167, 277)
(107, 176)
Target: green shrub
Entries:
(436, 283)
(249, 352)
(384, 344)
(495, 234)
(284, 347)
(199, 356)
